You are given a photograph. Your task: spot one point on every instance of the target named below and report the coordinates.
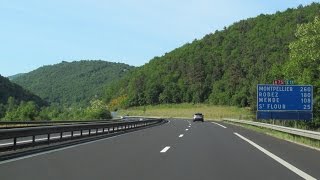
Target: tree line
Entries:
(14, 110)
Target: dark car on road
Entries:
(198, 117)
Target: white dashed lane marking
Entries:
(164, 150)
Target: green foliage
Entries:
(97, 110)
(222, 68)
(304, 64)
(2, 110)
(11, 95)
(17, 93)
(25, 111)
(72, 83)
(15, 76)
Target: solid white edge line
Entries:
(164, 150)
(6, 144)
(21, 142)
(219, 125)
(278, 159)
(181, 135)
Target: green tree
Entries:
(28, 111)
(24, 112)
(11, 104)
(2, 110)
(97, 110)
(304, 64)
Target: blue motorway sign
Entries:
(284, 97)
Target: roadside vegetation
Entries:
(186, 110)
(30, 111)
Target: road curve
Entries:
(180, 149)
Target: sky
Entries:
(34, 33)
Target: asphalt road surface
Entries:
(179, 149)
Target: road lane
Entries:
(304, 158)
(205, 151)
(211, 152)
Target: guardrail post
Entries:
(14, 143)
(48, 138)
(33, 139)
(61, 135)
(89, 132)
(81, 133)
(71, 134)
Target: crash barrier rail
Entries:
(23, 124)
(16, 138)
(54, 122)
(300, 132)
(6, 124)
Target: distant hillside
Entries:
(8, 89)
(222, 68)
(75, 82)
(15, 76)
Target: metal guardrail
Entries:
(50, 134)
(294, 131)
(24, 124)
(52, 122)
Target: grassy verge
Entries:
(187, 110)
(281, 135)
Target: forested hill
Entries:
(9, 89)
(75, 82)
(15, 76)
(222, 68)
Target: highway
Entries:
(179, 149)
